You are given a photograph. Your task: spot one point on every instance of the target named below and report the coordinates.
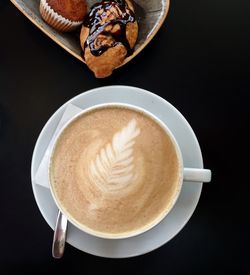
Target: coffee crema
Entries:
(114, 171)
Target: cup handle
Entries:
(196, 175)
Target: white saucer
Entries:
(182, 210)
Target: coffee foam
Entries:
(113, 167)
(114, 170)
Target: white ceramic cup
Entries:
(188, 174)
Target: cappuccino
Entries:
(115, 171)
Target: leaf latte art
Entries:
(113, 167)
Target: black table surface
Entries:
(199, 62)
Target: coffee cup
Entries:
(116, 170)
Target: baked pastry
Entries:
(108, 35)
(63, 15)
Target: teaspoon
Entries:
(59, 236)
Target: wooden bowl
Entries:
(152, 14)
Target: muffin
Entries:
(63, 15)
(108, 35)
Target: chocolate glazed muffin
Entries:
(108, 35)
(63, 15)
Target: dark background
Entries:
(199, 61)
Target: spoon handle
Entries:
(59, 236)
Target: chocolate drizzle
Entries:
(107, 23)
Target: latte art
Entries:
(114, 166)
(114, 170)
